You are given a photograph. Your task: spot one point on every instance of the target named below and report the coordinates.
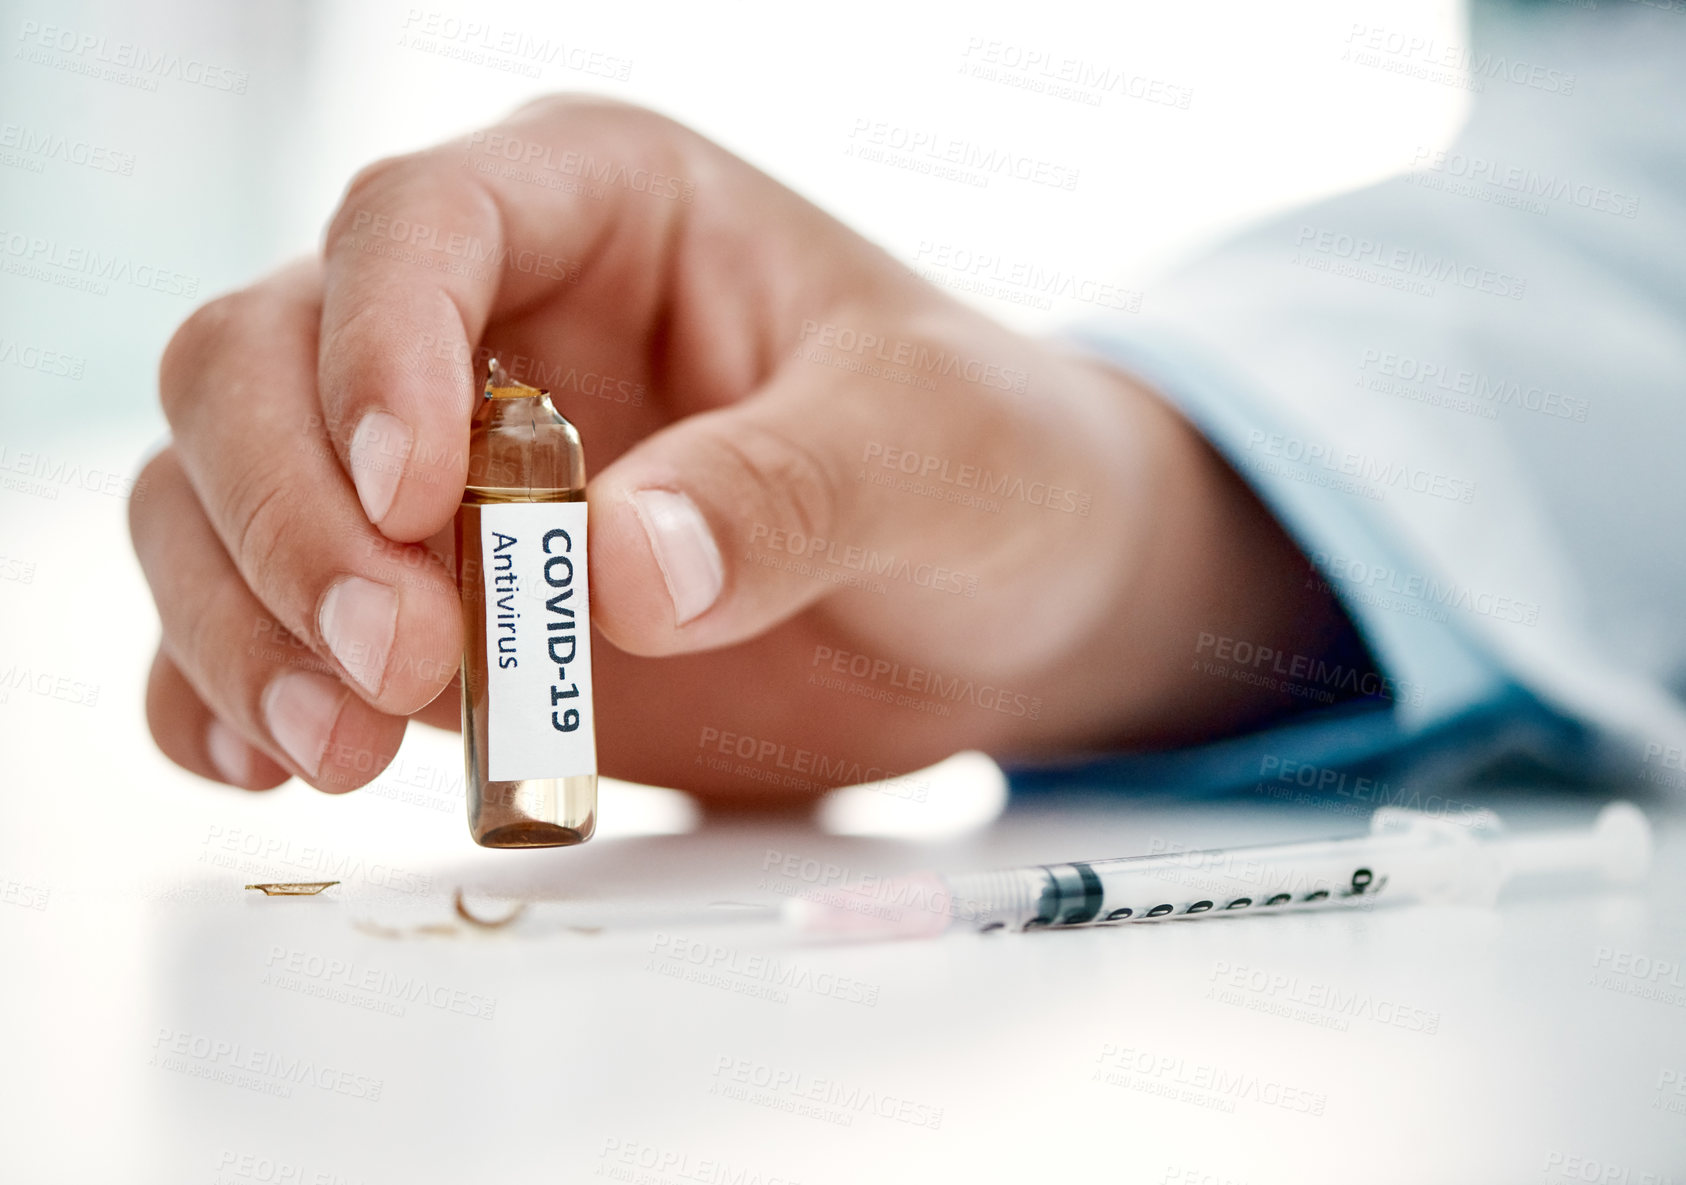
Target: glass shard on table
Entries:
(293, 888)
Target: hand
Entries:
(841, 524)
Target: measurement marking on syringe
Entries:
(1423, 859)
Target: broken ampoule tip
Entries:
(501, 385)
(293, 888)
(474, 919)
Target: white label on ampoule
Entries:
(539, 719)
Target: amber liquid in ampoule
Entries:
(527, 720)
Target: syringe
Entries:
(1407, 856)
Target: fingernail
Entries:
(685, 550)
(300, 708)
(357, 618)
(229, 753)
(379, 449)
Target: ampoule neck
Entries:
(520, 443)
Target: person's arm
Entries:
(1460, 389)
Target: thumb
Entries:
(727, 523)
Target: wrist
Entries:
(1194, 564)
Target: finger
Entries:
(238, 384)
(243, 666)
(727, 523)
(421, 254)
(190, 734)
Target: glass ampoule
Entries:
(528, 726)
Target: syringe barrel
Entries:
(1408, 856)
(1332, 874)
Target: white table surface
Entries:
(161, 1024)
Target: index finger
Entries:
(422, 254)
